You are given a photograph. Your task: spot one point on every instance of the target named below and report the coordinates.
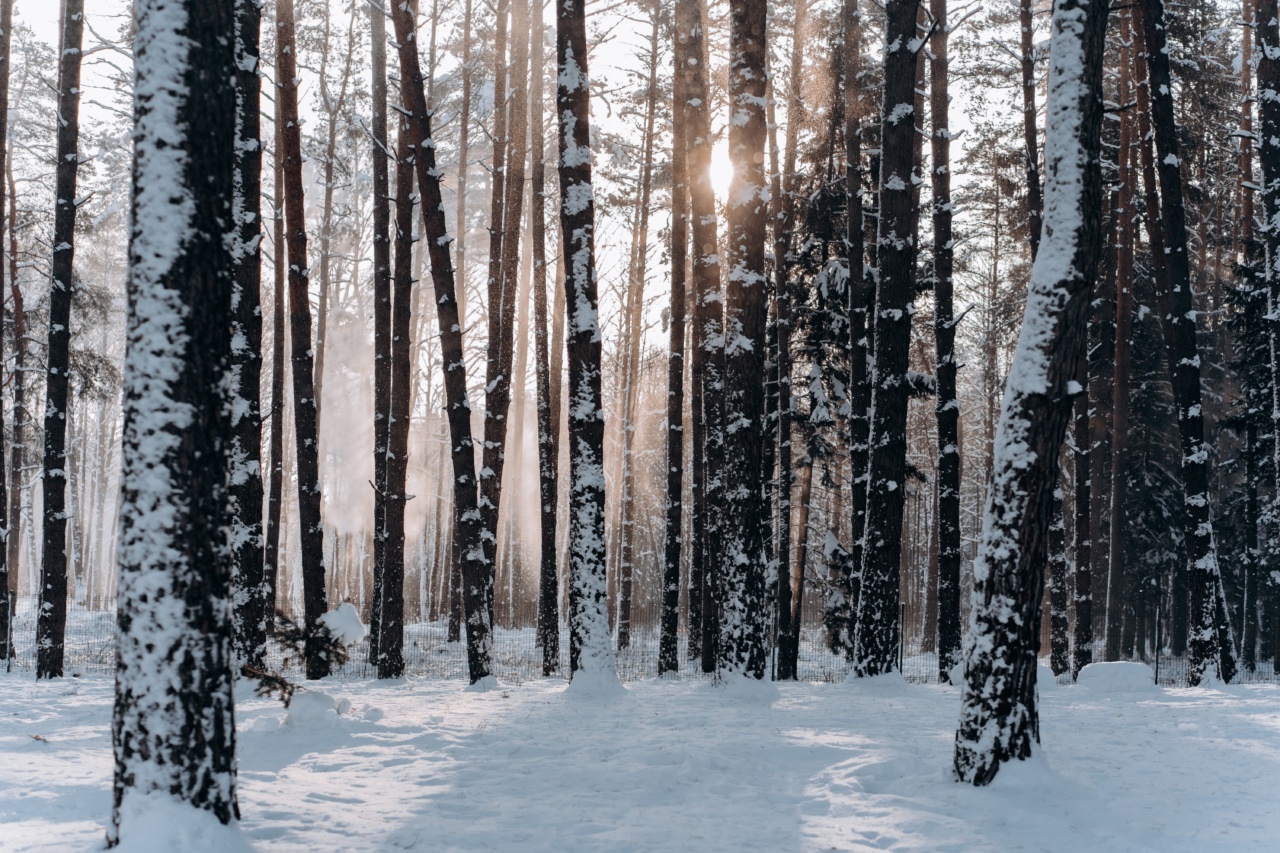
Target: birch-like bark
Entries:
(999, 721)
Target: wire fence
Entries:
(91, 648)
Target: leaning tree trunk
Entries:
(465, 493)
(173, 729)
(311, 528)
(947, 406)
(590, 651)
(1210, 629)
(548, 426)
(8, 563)
(876, 650)
(246, 346)
(51, 625)
(998, 718)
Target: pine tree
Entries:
(8, 565)
(173, 729)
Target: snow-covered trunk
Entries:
(18, 442)
(8, 560)
(1059, 639)
(306, 444)
(548, 427)
(381, 315)
(1210, 628)
(860, 291)
(1030, 133)
(876, 642)
(707, 367)
(590, 651)
(173, 729)
(946, 406)
(275, 459)
(390, 600)
(743, 625)
(668, 642)
(474, 573)
(1267, 28)
(246, 345)
(998, 718)
(1252, 610)
(51, 624)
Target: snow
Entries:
(1119, 677)
(344, 623)
(670, 765)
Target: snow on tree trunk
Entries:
(305, 417)
(1267, 28)
(1082, 632)
(51, 623)
(465, 493)
(1211, 641)
(173, 729)
(876, 642)
(998, 718)
(590, 651)
(1059, 641)
(246, 346)
(947, 406)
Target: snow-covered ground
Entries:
(428, 765)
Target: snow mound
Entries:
(595, 685)
(485, 685)
(889, 683)
(157, 823)
(344, 624)
(1118, 677)
(1045, 679)
(312, 708)
(744, 688)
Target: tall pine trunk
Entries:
(10, 508)
(51, 625)
(173, 729)
(468, 536)
(306, 444)
(999, 721)
(275, 497)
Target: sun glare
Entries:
(721, 169)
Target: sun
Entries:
(721, 169)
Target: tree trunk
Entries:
(1059, 640)
(1267, 27)
(10, 507)
(590, 651)
(246, 349)
(877, 628)
(947, 406)
(173, 729)
(998, 719)
(1211, 630)
(315, 600)
(275, 498)
(51, 625)
(1031, 154)
(468, 537)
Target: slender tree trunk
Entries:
(998, 719)
(1030, 133)
(590, 651)
(246, 348)
(1267, 27)
(315, 599)
(947, 406)
(275, 498)
(468, 538)
(877, 627)
(1059, 638)
(11, 507)
(548, 427)
(464, 153)
(1211, 630)
(51, 624)
(173, 728)
(18, 447)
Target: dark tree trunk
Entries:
(275, 498)
(1267, 28)
(1211, 630)
(51, 624)
(315, 601)
(877, 627)
(947, 406)
(590, 651)
(668, 644)
(743, 620)
(173, 729)
(18, 446)
(1030, 141)
(12, 508)
(998, 719)
(468, 538)
(246, 348)
(548, 424)
(1059, 638)
(381, 317)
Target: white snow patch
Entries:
(344, 623)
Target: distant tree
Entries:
(7, 564)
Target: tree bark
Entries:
(310, 525)
(10, 507)
(246, 345)
(876, 649)
(468, 536)
(1211, 640)
(51, 624)
(173, 728)
(998, 719)
(275, 497)
(590, 651)
(1030, 134)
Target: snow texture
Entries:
(344, 624)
